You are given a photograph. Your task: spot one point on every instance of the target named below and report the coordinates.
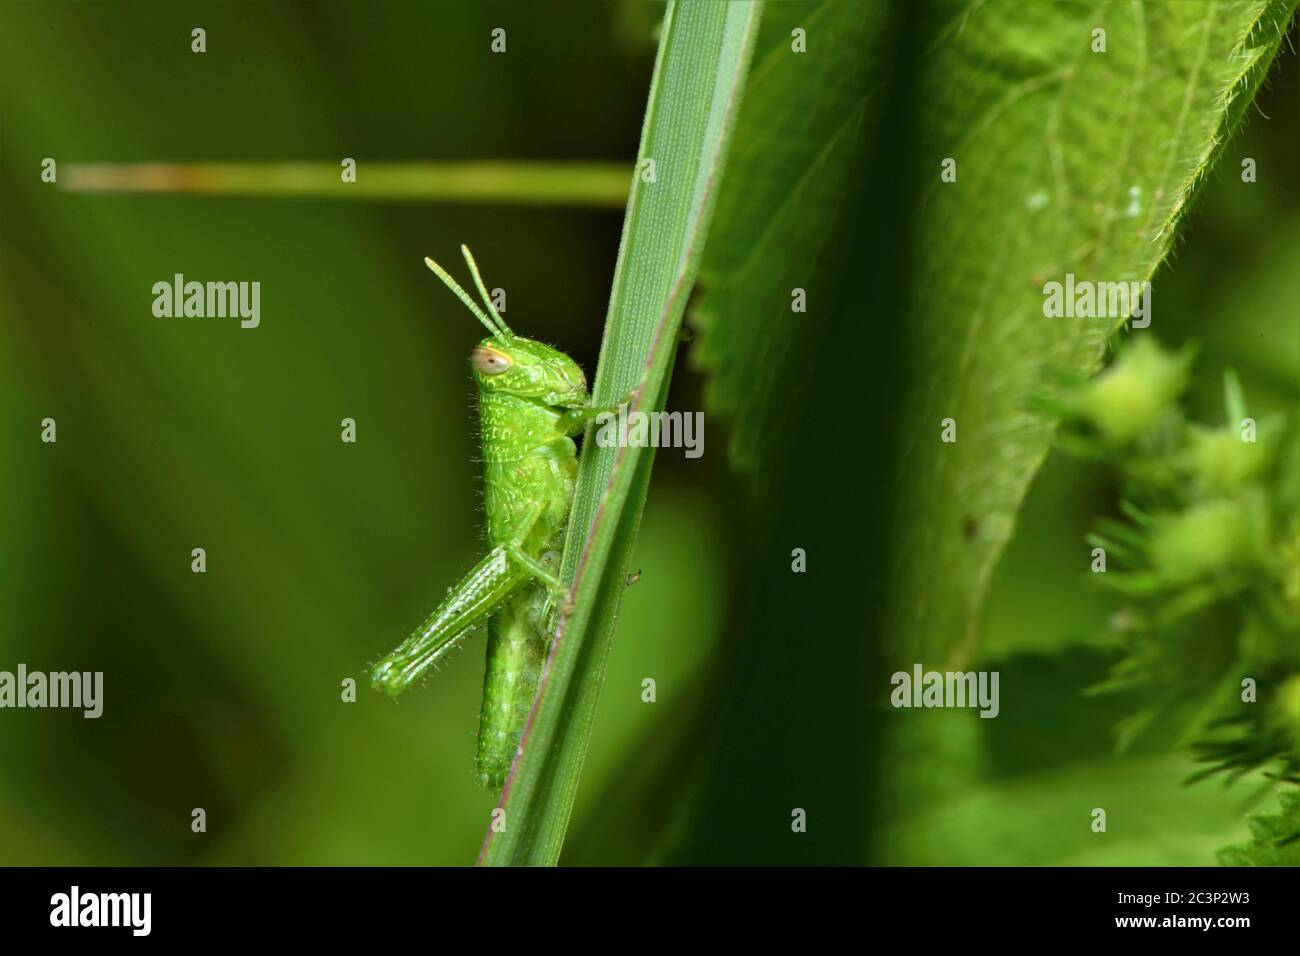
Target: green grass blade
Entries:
(694, 97)
(591, 184)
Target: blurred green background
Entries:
(222, 690)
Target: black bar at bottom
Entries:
(370, 905)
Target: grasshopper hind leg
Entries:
(468, 604)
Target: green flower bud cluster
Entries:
(1207, 559)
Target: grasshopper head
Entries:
(529, 369)
(507, 363)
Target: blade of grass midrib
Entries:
(704, 45)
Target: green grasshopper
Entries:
(531, 400)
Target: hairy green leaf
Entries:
(1068, 159)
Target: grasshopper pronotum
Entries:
(531, 400)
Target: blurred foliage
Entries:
(1204, 560)
(1275, 838)
(223, 690)
(551, 183)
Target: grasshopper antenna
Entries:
(482, 290)
(454, 286)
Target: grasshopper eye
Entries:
(489, 361)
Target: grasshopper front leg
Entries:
(574, 420)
